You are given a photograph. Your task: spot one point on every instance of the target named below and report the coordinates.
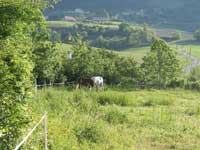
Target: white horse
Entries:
(98, 82)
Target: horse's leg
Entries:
(90, 88)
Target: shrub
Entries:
(193, 80)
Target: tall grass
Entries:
(116, 120)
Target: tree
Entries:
(127, 70)
(176, 35)
(85, 61)
(49, 60)
(20, 22)
(160, 66)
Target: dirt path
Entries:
(195, 61)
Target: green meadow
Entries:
(64, 24)
(116, 119)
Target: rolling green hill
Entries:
(177, 13)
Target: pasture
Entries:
(138, 53)
(194, 48)
(117, 119)
(65, 24)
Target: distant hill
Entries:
(180, 13)
(123, 4)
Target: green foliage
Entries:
(128, 70)
(19, 23)
(197, 34)
(176, 35)
(87, 62)
(100, 35)
(126, 36)
(15, 75)
(160, 66)
(49, 62)
(193, 81)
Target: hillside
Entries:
(123, 4)
(178, 13)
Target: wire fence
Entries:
(42, 120)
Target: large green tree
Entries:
(85, 61)
(20, 23)
(160, 66)
(49, 60)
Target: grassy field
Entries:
(195, 49)
(137, 53)
(168, 32)
(63, 24)
(117, 120)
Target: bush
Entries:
(193, 85)
(176, 35)
(193, 80)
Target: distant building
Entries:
(69, 18)
(79, 11)
(99, 19)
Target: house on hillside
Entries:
(99, 19)
(69, 18)
(79, 11)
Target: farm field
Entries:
(113, 119)
(137, 53)
(63, 24)
(160, 32)
(195, 49)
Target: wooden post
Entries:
(45, 133)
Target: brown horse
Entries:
(87, 82)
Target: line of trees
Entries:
(160, 67)
(107, 37)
